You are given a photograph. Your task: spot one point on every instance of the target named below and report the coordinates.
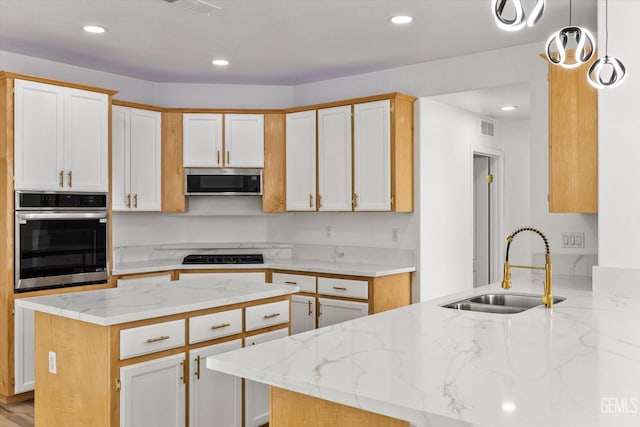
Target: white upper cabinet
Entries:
(202, 140)
(371, 152)
(244, 140)
(61, 138)
(136, 159)
(334, 159)
(301, 161)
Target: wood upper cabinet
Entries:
(301, 161)
(136, 159)
(244, 140)
(61, 138)
(573, 141)
(334, 159)
(202, 140)
(372, 156)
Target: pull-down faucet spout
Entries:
(547, 299)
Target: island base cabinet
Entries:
(215, 399)
(290, 409)
(256, 395)
(153, 393)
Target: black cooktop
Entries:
(224, 259)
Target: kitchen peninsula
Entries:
(425, 365)
(126, 356)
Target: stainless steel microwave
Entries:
(217, 181)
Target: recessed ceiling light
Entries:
(220, 62)
(509, 107)
(94, 29)
(401, 19)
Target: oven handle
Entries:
(26, 215)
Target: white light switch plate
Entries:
(574, 240)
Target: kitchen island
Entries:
(424, 365)
(125, 357)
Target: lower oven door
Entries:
(58, 249)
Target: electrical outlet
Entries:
(574, 240)
(53, 365)
(328, 231)
(394, 234)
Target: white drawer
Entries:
(261, 316)
(343, 287)
(151, 338)
(265, 337)
(306, 283)
(216, 325)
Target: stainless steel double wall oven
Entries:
(61, 239)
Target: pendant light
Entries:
(585, 45)
(609, 65)
(520, 20)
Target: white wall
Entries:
(619, 144)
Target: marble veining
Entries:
(120, 305)
(434, 366)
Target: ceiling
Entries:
(281, 42)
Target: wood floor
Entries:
(16, 414)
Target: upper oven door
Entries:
(60, 249)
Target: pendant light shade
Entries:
(557, 46)
(519, 20)
(607, 72)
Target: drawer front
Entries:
(151, 338)
(217, 325)
(265, 337)
(343, 287)
(261, 316)
(306, 283)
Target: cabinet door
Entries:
(202, 140)
(256, 395)
(39, 136)
(153, 393)
(24, 350)
(120, 159)
(215, 399)
(371, 152)
(334, 159)
(303, 313)
(332, 311)
(301, 161)
(145, 160)
(86, 156)
(244, 140)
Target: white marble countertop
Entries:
(575, 365)
(346, 268)
(120, 305)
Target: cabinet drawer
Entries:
(261, 316)
(217, 325)
(343, 287)
(151, 338)
(265, 337)
(306, 283)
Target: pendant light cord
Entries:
(570, 12)
(606, 28)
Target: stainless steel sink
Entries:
(503, 303)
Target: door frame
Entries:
(496, 234)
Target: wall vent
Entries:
(486, 128)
